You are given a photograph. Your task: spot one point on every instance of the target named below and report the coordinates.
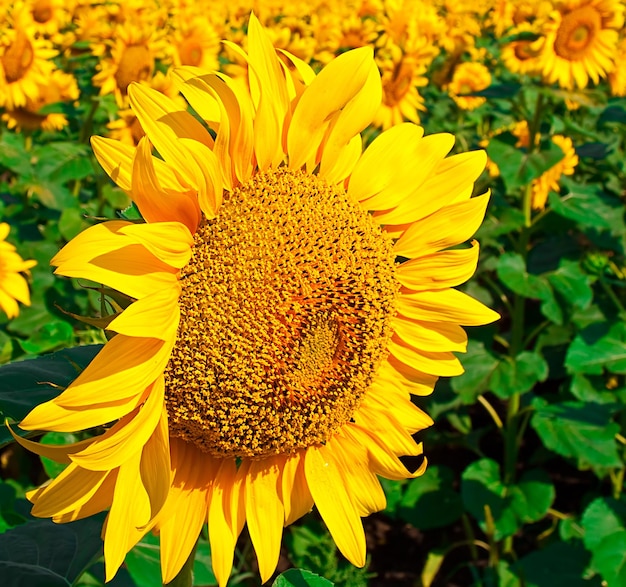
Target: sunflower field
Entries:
(313, 293)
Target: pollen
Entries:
(286, 313)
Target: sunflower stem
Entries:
(185, 575)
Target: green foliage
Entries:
(299, 578)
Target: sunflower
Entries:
(133, 54)
(25, 65)
(272, 339)
(469, 77)
(522, 56)
(549, 180)
(581, 42)
(60, 87)
(13, 286)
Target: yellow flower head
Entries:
(469, 77)
(522, 56)
(13, 286)
(25, 66)
(288, 292)
(60, 87)
(549, 180)
(133, 54)
(581, 42)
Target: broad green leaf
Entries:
(143, 563)
(583, 431)
(518, 375)
(532, 496)
(583, 205)
(41, 553)
(560, 564)
(482, 486)
(52, 335)
(300, 578)
(590, 388)
(604, 522)
(512, 272)
(572, 283)
(430, 501)
(25, 384)
(479, 365)
(598, 347)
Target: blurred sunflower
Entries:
(133, 54)
(549, 180)
(25, 65)
(581, 41)
(469, 77)
(272, 339)
(522, 56)
(13, 286)
(60, 87)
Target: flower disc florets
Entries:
(285, 316)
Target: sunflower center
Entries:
(17, 58)
(135, 65)
(576, 32)
(42, 11)
(190, 52)
(285, 316)
(400, 84)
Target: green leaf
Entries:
(512, 272)
(598, 347)
(479, 365)
(430, 501)
(583, 431)
(25, 384)
(560, 564)
(41, 553)
(53, 334)
(481, 486)
(532, 496)
(604, 522)
(143, 563)
(518, 375)
(300, 578)
(583, 205)
(572, 283)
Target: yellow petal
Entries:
(184, 512)
(116, 159)
(451, 181)
(125, 438)
(102, 254)
(443, 364)
(439, 270)
(128, 517)
(58, 453)
(384, 461)
(437, 337)
(337, 84)
(296, 497)
(226, 516)
(445, 306)
(155, 468)
(416, 382)
(155, 316)
(393, 155)
(157, 202)
(101, 500)
(386, 427)
(264, 513)
(349, 122)
(449, 226)
(165, 123)
(124, 368)
(334, 503)
(50, 416)
(362, 485)
(70, 490)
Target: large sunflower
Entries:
(13, 286)
(266, 359)
(581, 42)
